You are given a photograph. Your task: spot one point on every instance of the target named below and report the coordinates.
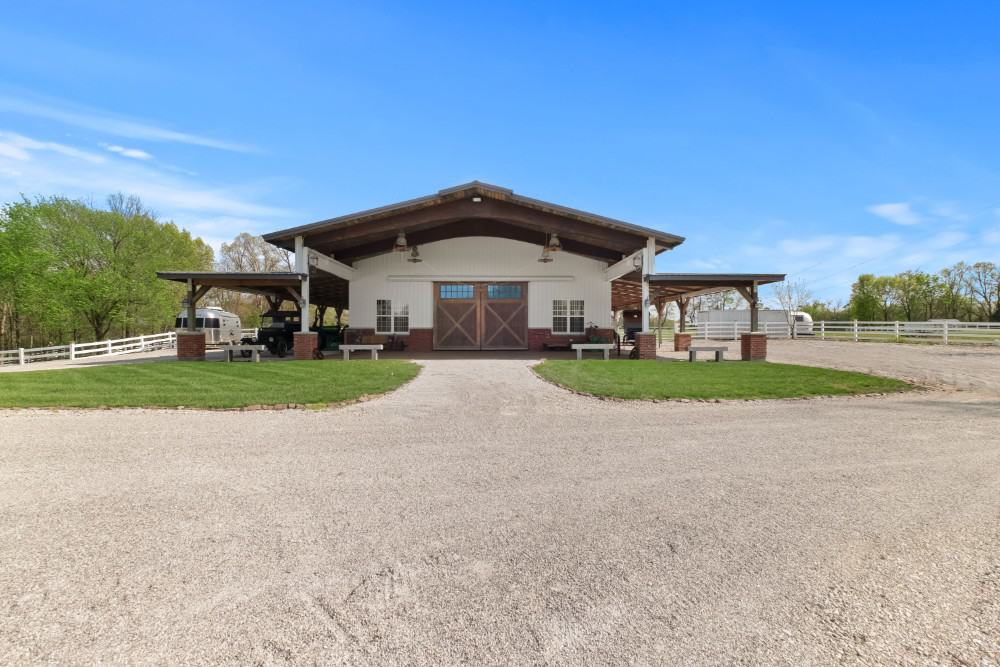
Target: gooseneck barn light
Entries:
(400, 245)
(554, 244)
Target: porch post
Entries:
(645, 341)
(192, 307)
(191, 343)
(305, 340)
(753, 345)
(682, 340)
(648, 257)
(302, 266)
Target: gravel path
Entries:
(479, 515)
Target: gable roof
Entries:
(473, 209)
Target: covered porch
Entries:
(636, 291)
(310, 284)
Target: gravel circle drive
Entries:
(480, 515)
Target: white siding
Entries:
(568, 276)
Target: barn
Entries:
(472, 267)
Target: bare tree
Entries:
(792, 296)
(983, 280)
(250, 254)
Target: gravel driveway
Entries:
(479, 515)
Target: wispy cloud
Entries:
(807, 246)
(900, 213)
(133, 153)
(107, 123)
(19, 147)
(33, 167)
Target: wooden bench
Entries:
(605, 347)
(695, 349)
(255, 351)
(347, 349)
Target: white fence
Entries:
(74, 351)
(941, 332)
(733, 330)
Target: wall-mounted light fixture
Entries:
(554, 244)
(414, 256)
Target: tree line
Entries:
(967, 292)
(70, 271)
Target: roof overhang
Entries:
(626, 292)
(473, 209)
(324, 289)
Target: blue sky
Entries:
(818, 141)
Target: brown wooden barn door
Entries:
(456, 316)
(504, 316)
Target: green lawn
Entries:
(203, 384)
(708, 380)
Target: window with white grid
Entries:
(391, 318)
(567, 316)
(401, 318)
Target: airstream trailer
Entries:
(219, 326)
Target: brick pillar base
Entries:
(420, 340)
(646, 344)
(190, 346)
(753, 346)
(682, 341)
(305, 344)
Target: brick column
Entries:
(682, 341)
(420, 340)
(646, 344)
(305, 343)
(191, 346)
(753, 346)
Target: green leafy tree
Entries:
(66, 267)
(865, 300)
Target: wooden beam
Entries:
(622, 267)
(200, 292)
(330, 265)
(745, 293)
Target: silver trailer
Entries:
(219, 326)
